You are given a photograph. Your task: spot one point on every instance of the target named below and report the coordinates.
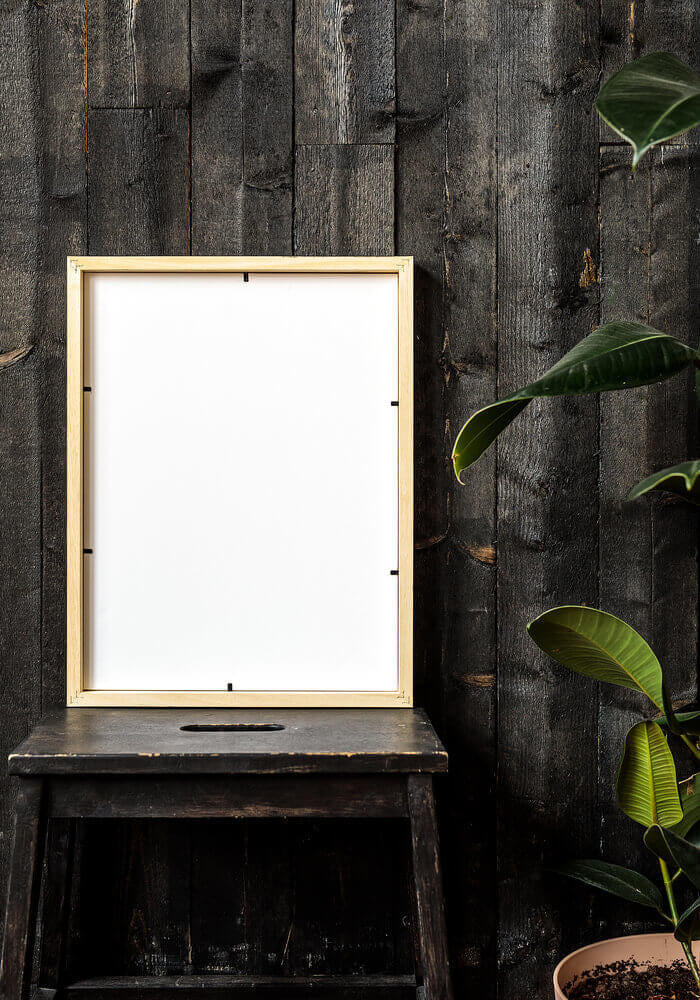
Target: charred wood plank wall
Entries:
(462, 132)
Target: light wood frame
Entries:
(77, 694)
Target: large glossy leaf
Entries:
(675, 850)
(647, 787)
(12, 357)
(619, 881)
(599, 645)
(686, 722)
(683, 479)
(689, 826)
(688, 928)
(616, 356)
(650, 100)
(655, 842)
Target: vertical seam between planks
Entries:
(396, 140)
(293, 14)
(87, 126)
(496, 585)
(599, 157)
(189, 131)
(652, 513)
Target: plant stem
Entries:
(668, 885)
(693, 748)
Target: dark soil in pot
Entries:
(625, 981)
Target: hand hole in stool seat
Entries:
(236, 727)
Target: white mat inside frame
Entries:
(241, 484)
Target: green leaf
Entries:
(688, 928)
(686, 722)
(647, 788)
(599, 645)
(670, 717)
(618, 355)
(650, 100)
(676, 851)
(623, 882)
(12, 357)
(654, 841)
(681, 479)
(690, 804)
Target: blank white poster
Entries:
(241, 482)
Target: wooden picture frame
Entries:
(81, 271)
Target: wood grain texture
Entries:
(353, 987)
(242, 113)
(468, 613)
(427, 878)
(420, 221)
(138, 53)
(344, 72)
(23, 893)
(626, 561)
(61, 43)
(547, 474)
(139, 185)
(56, 905)
(338, 190)
(43, 180)
(464, 74)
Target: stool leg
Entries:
(56, 906)
(432, 936)
(23, 893)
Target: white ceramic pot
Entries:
(642, 949)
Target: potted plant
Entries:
(647, 102)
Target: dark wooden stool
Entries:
(169, 763)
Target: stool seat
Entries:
(230, 741)
(123, 763)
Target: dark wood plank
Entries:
(350, 901)
(432, 934)
(548, 477)
(268, 129)
(56, 906)
(23, 892)
(649, 260)
(420, 223)
(630, 30)
(468, 617)
(242, 113)
(217, 127)
(135, 899)
(648, 549)
(142, 741)
(138, 53)
(338, 190)
(61, 47)
(208, 797)
(344, 72)
(37, 182)
(626, 530)
(191, 987)
(138, 182)
(672, 419)
(221, 907)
